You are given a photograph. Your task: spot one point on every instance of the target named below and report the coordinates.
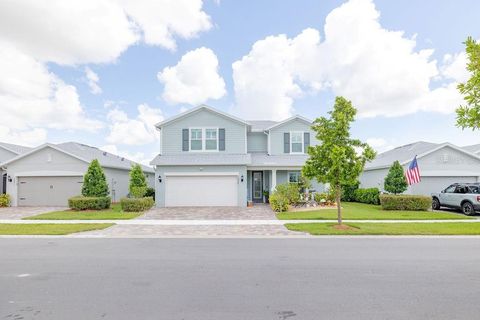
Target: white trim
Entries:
(204, 139)
(246, 144)
(49, 174)
(268, 141)
(282, 168)
(200, 107)
(302, 134)
(193, 174)
(299, 117)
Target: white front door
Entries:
(201, 191)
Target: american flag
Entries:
(413, 173)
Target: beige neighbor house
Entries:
(51, 173)
(440, 164)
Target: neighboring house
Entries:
(211, 158)
(7, 152)
(51, 173)
(440, 165)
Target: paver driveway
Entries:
(257, 212)
(22, 212)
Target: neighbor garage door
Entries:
(199, 191)
(429, 185)
(47, 191)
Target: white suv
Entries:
(463, 196)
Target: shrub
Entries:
(289, 191)
(369, 195)
(4, 200)
(94, 181)
(278, 202)
(150, 192)
(89, 203)
(395, 181)
(405, 202)
(328, 197)
(136, 204)
(348, 191)
(138, 182)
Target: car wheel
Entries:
(467, 209)
(435, 204)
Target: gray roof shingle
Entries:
(473, 148)
(261, 125)
(106, 159)
(402, 153)
(15, 148)
(201, 159)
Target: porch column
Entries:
(274, 180)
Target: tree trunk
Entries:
(338, 194)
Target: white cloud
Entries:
(380, 70)
(161, 21)
(31, 96)
(96, 31)
(454, 67)
(30, 138)
(92, 80)
(138, 131)
(138, 157)
(194, 79)
(379, 144)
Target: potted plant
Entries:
(266, 194)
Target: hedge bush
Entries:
(369, 195)
(348, 192)
(136, 204)
(4, 200)
(278, 202)
(405, 202)
(89, 203)
(150, 192)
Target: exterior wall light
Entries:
(160, 179)
(241, 178)
(9, 179)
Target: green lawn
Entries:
(50, 229)
(114, 213)
(361, 211)
(441, 228)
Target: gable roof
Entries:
(87, 154)
(405, 154)
(295, 117)
(15, 148)
(196, 109)
(260, 125)
(474, 148)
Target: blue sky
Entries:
(385, 74)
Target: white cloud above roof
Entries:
(194, 79)
(380, 70)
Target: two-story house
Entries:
(211, 158)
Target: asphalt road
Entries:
(239, 279)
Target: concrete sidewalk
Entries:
(222, 222)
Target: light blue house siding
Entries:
(257, 142)
(235, 132)
(163, 170)
(276, 135)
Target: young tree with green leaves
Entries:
(468, 115)
(94, 182)
(138, 182)
(337, 159)
(395, 181)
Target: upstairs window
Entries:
(211, 139)
(203, 139)
(296, 142)
(196, 143)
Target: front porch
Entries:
(260, 180)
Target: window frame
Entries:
(203, 139)
(297, 173)
(302, 136)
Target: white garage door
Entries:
(429, 185)
(201, 191)
(47, 191)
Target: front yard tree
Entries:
(94, 182)
(337, 159)
(468, 115)
(395, 181)
(138, 182)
